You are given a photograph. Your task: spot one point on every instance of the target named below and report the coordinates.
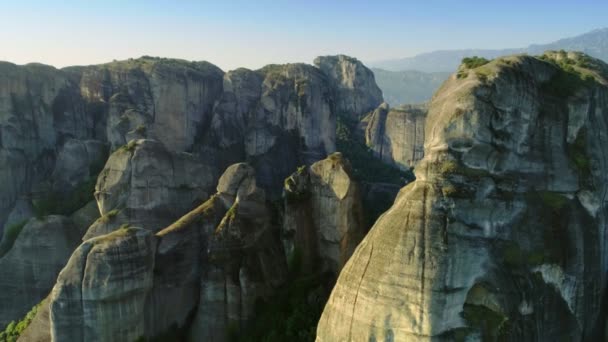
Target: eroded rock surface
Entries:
(31, 266)
(323, 220)
(146, 185)
(203, 273)
(396, 135)
(101, 293)
(501, 236)
(357, 92)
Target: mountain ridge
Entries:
(595, 44)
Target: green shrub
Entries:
(366, 167)
(492, 325)
(474, 62)
(10, 235)
(66, 204)
(290, 315)
(577, 151)
(553, 200)
(13, 330)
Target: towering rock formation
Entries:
(502, 235)
(170, 127)
(279, 117)
(323, 220)
(355, 84)
(396, 135)
(145, 185)
(101, 293)
(202, 273)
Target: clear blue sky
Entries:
(232, 33)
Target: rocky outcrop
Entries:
(355, 84)
(171, 126)
(56, 125)
(245, 261)
(163, 99)
(323, 220)
(100, 295)
(202, 274)
(501, 236)
(278, 117)
(31, 266)
(396, 135)
(149, 186)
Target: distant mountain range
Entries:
(415, 79)
(594, 43)
(410, 86)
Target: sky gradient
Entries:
(233, 33)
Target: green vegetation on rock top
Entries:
(14, 329)
(474, 62)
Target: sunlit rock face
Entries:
(396, 135)
(355, 85)
(278, 118)
(501, 236)
(323, 220)
(203, 273)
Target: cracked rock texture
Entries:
(396, 135)
(30, 267)
(355, 84)
(323, 220)
(501, 236)
(203, 273)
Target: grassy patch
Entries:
(571, 76)
(492, 325)
(128, 147)
(10, 235)
(66, 204)
(474, 62)
(14, 329)
(291, 315)
(366, 167)
(453, 167)
(577, 151)
(109, 216)
(553, 200)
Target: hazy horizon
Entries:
(253, 34)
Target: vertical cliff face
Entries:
(501, 236)
(355, 84)
(279, 117)
(145, 184)
(164, 99)
(32, 264)
(396, 135)
(169, 128)
(323, 220)
(100, 295)
(202, 274)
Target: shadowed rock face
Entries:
(203, 273)
(278, 117)
(396, 135)
(56, 124)
(172, 127)
(355, 84)
(30, 267)
(323, 220)
(501, 236)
